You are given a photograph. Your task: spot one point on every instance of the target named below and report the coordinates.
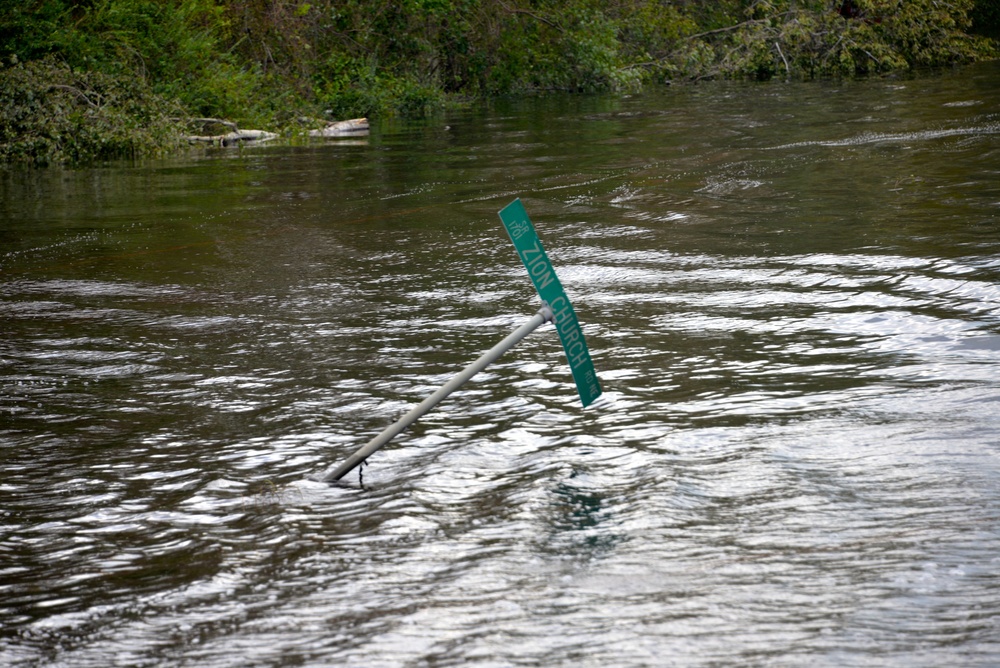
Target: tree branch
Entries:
(542, 19)
(76, 91)
(726, 29)
(788, 72)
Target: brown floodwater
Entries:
(791, 293)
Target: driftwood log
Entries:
(218, 132)
(355, 127)
(232, 138)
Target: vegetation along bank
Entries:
(97, 79)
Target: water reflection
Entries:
(790, 293)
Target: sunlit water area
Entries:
(791, 293)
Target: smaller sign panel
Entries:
(529, 249)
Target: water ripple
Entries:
(794, 461)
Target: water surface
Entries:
(791, 293)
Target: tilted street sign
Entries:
(555, 307)
(532, 254)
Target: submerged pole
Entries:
(337, 472)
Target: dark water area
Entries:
(791, 293)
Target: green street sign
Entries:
(529, 249)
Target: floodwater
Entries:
(791, 292)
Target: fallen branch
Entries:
(214, 121)
(232, 138)
(726, 29)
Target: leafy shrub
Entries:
(267, 62)
(50, 114)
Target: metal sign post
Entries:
(337, 472)
(555, 308)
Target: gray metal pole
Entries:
(493, 354)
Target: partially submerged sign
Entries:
(556, 307)
(529, 249)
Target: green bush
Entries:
(50, 114)
(264, 63)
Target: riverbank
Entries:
(121, 77)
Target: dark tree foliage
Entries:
(986, 18)
(269, 62)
